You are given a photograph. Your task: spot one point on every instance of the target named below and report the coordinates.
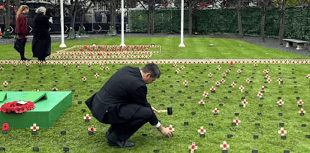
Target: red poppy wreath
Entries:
(17, 107)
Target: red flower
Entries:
(5, 126)
(17, 107)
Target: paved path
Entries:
(269, 42)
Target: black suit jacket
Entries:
(125, 91)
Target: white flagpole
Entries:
(182, 24)
(62, 24)
(122, 26)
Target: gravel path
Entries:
(269, 42)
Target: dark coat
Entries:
(125, 91)
(41, 43)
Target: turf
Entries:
(69, 78)
(169, 91)
(196, 48)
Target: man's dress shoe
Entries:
(117, 143)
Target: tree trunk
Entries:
(190, 20)
(82, 20)
(84, 14)
(73, 15)
(239, 19)
(262, 23)
(282, 22)
(150, 28)
(113, 13)
(7, 17)
(152, 23)
(149, 22)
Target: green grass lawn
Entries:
(169, 91)
(196, 48)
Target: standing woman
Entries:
(22, 29)
(41, 43)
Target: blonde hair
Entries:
(20, 10)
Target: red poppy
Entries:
(5, 126)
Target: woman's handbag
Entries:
(17, 44)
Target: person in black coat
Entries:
(41, 43)
(122, 103)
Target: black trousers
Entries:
(22, 47)
(125, 129)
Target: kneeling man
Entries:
(122, 103)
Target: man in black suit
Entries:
(122, 103)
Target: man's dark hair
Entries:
(153, 69)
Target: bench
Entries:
(300, 43)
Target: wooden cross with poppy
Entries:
(201, 130)
(5, 83)
(279, 80)
(205, 94)
(224, 145)
(193, 147)
(237, 121)
(302, 111)
(233, 84)
(215, 111)
(34, 127)
(201, 102)
(212, 89)
(282, 131)
(280, 102)
(299, 102)
(241, 88)
(185, 82)
(87, 117)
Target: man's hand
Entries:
(155, 110)
(26, 36)
(165, 131)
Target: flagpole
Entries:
(182, 24)
(62, 24)
(122, 26)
